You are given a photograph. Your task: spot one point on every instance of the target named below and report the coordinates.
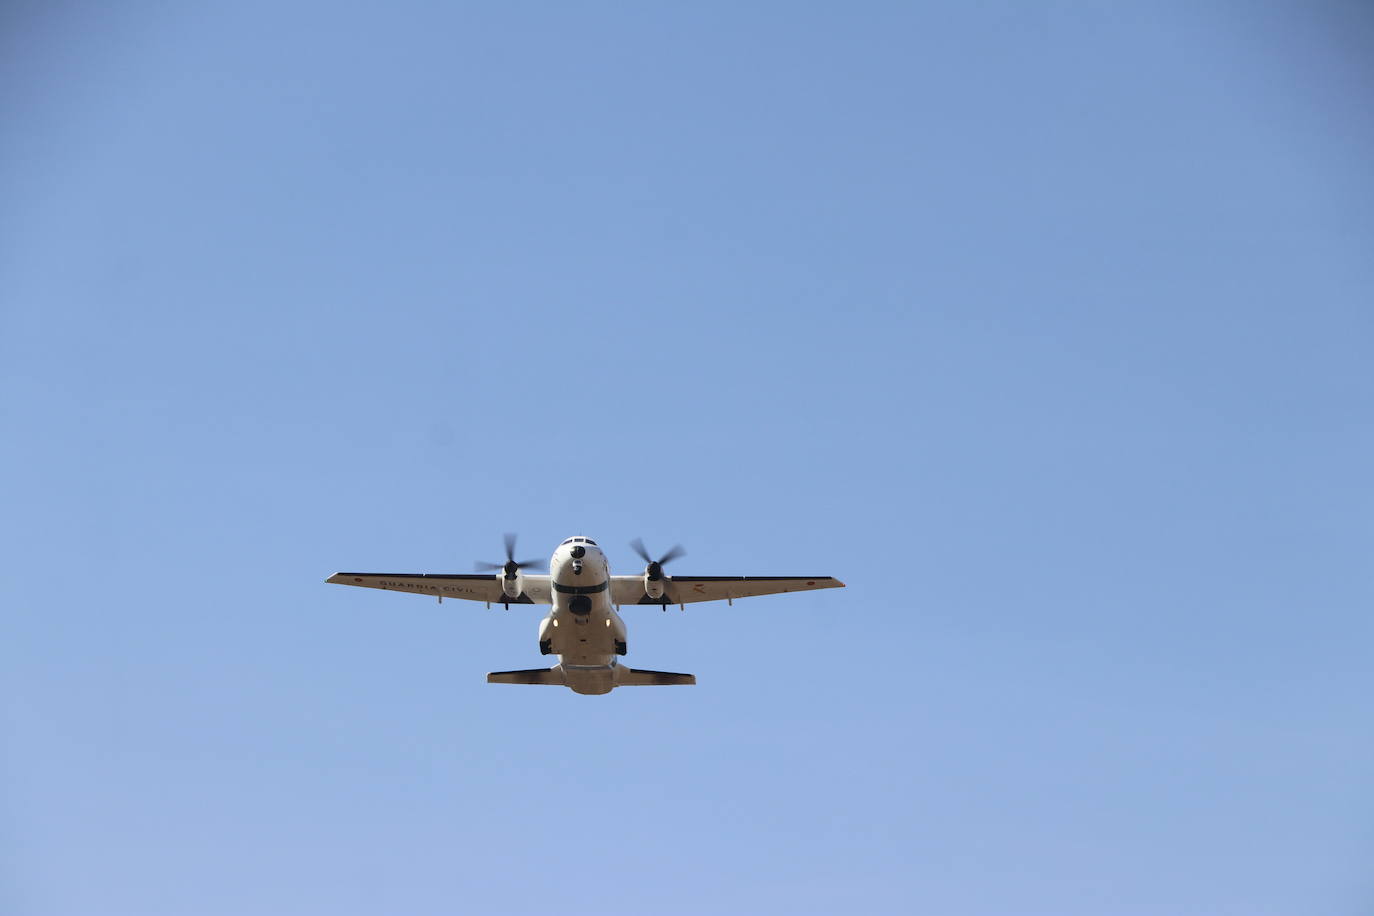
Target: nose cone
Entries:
(576, 558)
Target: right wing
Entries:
(690, 589)
(479, 587)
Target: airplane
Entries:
(584, 628)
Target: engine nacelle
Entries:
(654, 581)
(510, 578)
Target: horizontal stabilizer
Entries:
(550, 676)
(638, 677)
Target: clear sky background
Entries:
(1047, 327)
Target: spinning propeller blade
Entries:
(673, 553)
(510, 566)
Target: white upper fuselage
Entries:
(583, 628)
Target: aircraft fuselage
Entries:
(583, 628)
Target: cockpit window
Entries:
(568, 541)
(590, 541)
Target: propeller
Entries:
(510, 567)
(655, 570)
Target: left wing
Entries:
(480, 587)
(689, 589)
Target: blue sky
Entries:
(1045, 327)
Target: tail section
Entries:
(639, 677)
(550, 676)
(591, 680)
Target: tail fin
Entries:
(638, 677)
(550, 676)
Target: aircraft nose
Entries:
(578, 552)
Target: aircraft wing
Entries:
(479, 587)
(689, 589)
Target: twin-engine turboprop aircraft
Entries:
(584, 629)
